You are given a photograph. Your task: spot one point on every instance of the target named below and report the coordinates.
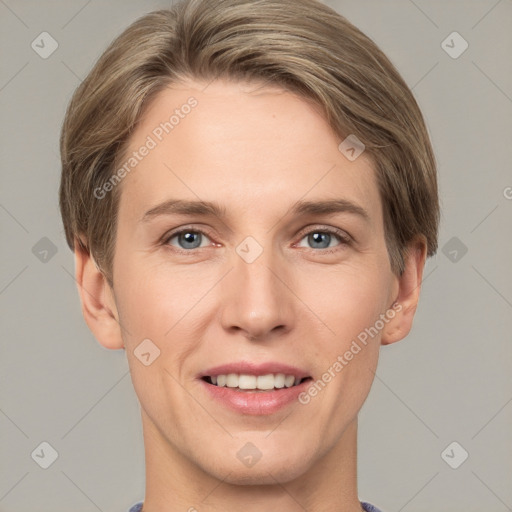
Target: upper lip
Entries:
(250, 368)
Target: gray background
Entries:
(450, 380)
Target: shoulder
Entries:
(367, 507)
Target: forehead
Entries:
(243, 145)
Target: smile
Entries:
(246, 382)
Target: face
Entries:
(267, 285)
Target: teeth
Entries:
(289, 381)
(246, 381)
(264, 382)
(279, 379)
(232, 380)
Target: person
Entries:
(250, 192)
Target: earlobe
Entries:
(98, 304)
(409, 286)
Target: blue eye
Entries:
(321, 239)
(187, 239)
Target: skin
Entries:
(256, 150)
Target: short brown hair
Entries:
(300, 45)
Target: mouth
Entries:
(243, 382)
(256, 389)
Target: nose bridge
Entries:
(256, 299)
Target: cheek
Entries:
(166, 306)
(349, 304)
(150, 298)
(347, 359)
(153, 312)
(346, 301)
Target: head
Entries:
(252, 107)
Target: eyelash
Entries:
(342, 236)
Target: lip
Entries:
(250, 368)
(255, 403)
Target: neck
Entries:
(175, 483)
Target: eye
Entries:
(187, 239)
(322, 238)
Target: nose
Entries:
(256, 300)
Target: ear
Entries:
(97, 298)
(409, 285)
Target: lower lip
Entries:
(258, 403)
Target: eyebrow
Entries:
(213, 209)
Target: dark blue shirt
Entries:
(366, 506)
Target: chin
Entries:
(264, 476)
(281, 468)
